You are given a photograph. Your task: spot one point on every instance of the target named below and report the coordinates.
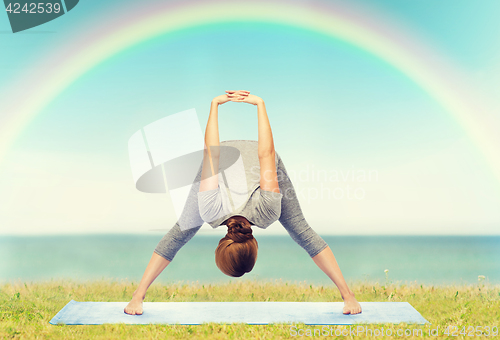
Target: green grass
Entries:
(26, 308)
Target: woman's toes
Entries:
(129, 311)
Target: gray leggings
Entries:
(291, 218)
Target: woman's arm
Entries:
(211, 154)
(267, 154)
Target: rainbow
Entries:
(368, 35)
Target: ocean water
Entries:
(437, 260)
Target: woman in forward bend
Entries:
(241, 200)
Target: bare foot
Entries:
(351, 305)
(134, 307)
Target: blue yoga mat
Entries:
(253, 313)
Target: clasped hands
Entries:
(238, 96)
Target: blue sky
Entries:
(332, 107)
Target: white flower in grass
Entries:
(480, 277)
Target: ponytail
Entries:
(237, 251)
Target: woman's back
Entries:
(239, 188)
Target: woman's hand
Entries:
(229, 96)
(244, 96)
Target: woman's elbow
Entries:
(266, 153)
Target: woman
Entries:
(260, 201)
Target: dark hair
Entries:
(237, 251)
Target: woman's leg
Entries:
(168, 246)
(163, 254)
(154, 268)
(326, 261)
(296, 225)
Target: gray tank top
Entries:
(239, 192)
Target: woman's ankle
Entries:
(138, 295)
(348, 295)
